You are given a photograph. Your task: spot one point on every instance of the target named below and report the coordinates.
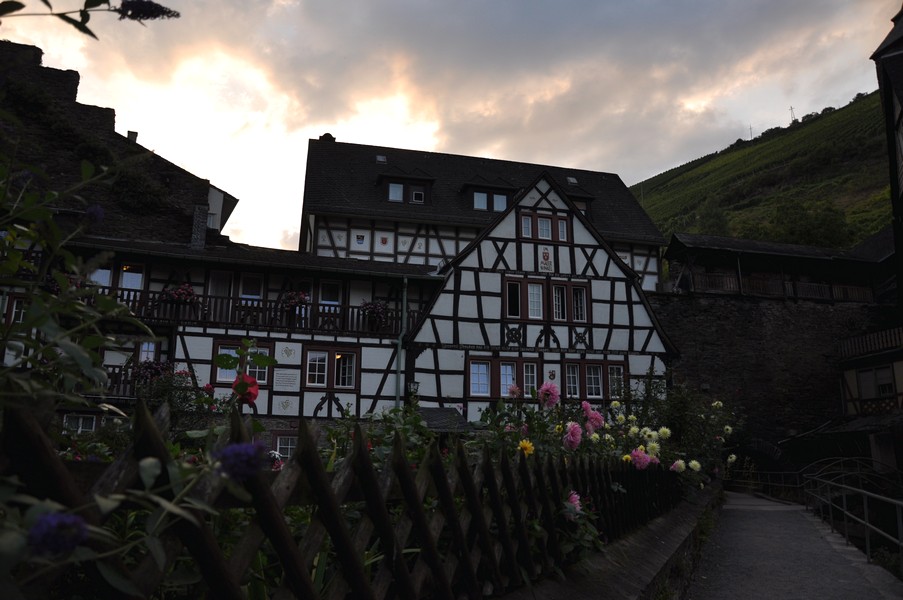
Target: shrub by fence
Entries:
(453, 526)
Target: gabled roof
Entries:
(345, 180)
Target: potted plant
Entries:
(293, 300)
(183, 294)
(377, 313)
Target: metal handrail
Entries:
(816, 486)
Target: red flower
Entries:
(246, 387)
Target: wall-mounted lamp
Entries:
(413, 387)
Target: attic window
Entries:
(481, 201)
(408, 193)
(572, 180)
(381, 159)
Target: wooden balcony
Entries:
(726, 283)
(214, 311)
(872, 343)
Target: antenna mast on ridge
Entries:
(792, 116)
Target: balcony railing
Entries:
(726, 283)
(217, 311)
(871, 343)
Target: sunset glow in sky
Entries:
(233, 90)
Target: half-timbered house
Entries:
(447, 276)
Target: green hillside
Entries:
(821, 181)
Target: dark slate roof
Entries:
(52, 134)
(893, 38)
(221, 250)
(444, 420)
(878, 247)
(346, 180)
(681, 242)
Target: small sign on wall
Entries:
(285, 405)
(546, 260)
(286, 380)
(384, 242)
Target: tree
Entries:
(132, 10)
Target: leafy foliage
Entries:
(820, 181)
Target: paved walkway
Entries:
(761, 549)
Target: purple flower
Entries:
(572, 435)
(94, 214)
(57, 534)
(548, 395)
(594, 419)
(242, 461)
(641, 460)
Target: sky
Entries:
(233, 90)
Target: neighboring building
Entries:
(461, 274)
(715, 264)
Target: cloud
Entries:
(233, 90)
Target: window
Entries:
(572, 380)
(79, 423)
(615, 381)
(344, 370)
(559, 303)
(101, 277)
(131, 277)
(16, 309)
(569, 301)
(534, 300)
(396, 192)
(251, 286)
(411, 193)
(876, 383)
(507, 377)
(594, 381)
(316, 368)
(544, 228)
(531, 382)
(332, 368)
(550, 227)
(481, 201)
(261, 374)
(211, 220)
(579, 295)
(285, 445)
(147, 351)
(479, 378)
(494, 377)
(513, 309)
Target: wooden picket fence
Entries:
(450, 527)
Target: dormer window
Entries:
(396, 192)
(408, 193)
(483, 199)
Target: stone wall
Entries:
(771, 360)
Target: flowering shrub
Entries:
(246, 388)
(57, 534)
(292, 300)
(242, 461)
(183, 294)
(376, 311)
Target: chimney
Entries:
(199, 227)
(133, 136)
